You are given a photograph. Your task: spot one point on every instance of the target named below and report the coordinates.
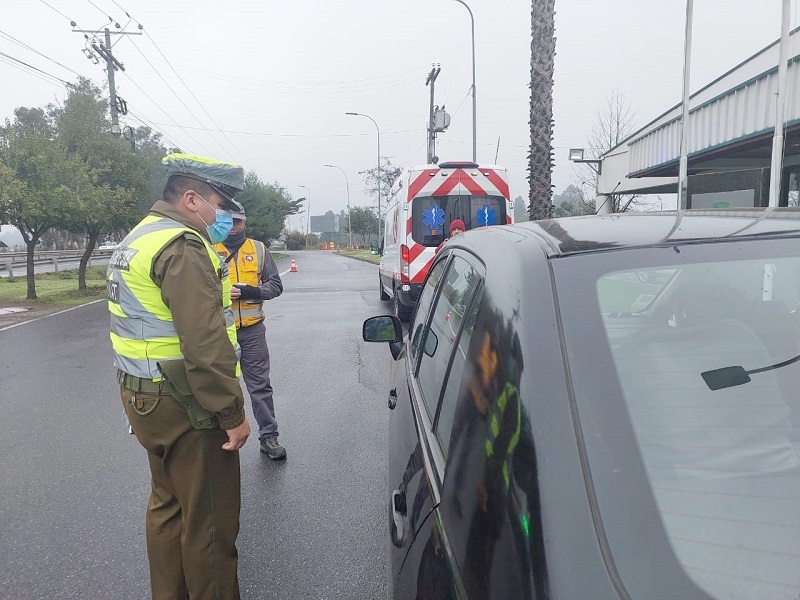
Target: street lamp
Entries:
(308, 216)
(347, 183)
(474, 108)
(380, 225)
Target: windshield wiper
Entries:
(727, 377)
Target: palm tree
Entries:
(540, 159)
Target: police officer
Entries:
(175, 349)
(255, 278)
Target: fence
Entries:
(11, 260)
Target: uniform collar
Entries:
(162, 208)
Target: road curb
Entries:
(60, 312)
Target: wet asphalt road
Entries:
(75, 486)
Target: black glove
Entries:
(249, 292)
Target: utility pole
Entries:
(431, 80)
(116, 104)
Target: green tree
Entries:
(296, 240)
(40, 181)
(386, 175)
(117, 176)
(572, 202)
(267, 205)
(364, 222)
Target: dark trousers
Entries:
(255, 370)
(193, 513)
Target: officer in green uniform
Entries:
(174, 344)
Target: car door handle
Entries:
(392, 398)
(399, 524)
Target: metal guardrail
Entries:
(11, 260)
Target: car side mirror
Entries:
(384, 328)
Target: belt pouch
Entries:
(174, 373)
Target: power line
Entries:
(174, 93)
(197, 100)
(232, 145)
(151, 125)
(8, 56)
(261, 87)
(295, 135)
(46, 79)
(104, 13)
(54, 80)
(157, 105)
(58, 11)
(24, 45)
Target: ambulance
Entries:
(423, 202)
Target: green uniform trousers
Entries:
(193, 513)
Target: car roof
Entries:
(579, 235)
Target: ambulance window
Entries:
(487, 210)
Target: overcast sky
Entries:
(278, 77)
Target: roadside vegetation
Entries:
(364, 255)
(54, 290)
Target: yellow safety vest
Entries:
(142, 331)
(247, 269)
(508, 401)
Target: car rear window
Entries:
(706, 356)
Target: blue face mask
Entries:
(222, 225)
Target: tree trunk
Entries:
(540, 159)
(30, 270)
(93, 234)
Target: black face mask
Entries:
(236, 239)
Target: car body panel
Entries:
(520, 502)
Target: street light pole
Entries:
(380, 224)
(347, 183)
(308, 216)
(474, 107)
(683, 162)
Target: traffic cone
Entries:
(293, 268)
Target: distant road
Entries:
(64, 264)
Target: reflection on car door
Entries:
(410, 499)
(440, 336)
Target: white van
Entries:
(423, 202)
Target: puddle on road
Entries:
(12, 309)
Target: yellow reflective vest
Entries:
(246, 267)
(142, 331)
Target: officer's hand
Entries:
(235, 292)
(237, 436)
(248, 292)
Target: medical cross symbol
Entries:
(433, 218)
(486, 216)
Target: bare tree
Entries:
(614, 123)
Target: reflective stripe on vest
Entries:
(247, 269)
(142, 331)
(508, 401)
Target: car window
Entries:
(448, 316)
(708, 366)
(447, 407)
(424, 305)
